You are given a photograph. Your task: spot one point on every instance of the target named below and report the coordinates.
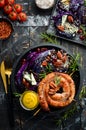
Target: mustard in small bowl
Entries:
(29, 100)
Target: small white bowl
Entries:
(29, 100)
(44, 4)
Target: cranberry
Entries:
(23, 61)
(82, 37)
(80, 31)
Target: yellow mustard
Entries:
(30, 100)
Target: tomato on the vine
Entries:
(11, 2)
(13, 10)
(2, 3)
(8, 9)
(17, 8)
(22, 16)
(13, 16)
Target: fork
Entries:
(5, 74)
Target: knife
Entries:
(8, 94)
(3, 76)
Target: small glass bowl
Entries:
(29, 100)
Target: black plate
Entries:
(76, 77)
(52, 29)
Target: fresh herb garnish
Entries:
(85, 2)
(69, 113)
(83, 29)
(17, 94)
(42, 75)
(74, 64)
(83, 92)
(48, 69)
(57, 80)
(49, 38)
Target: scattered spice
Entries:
(5, 30)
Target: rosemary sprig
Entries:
(42, 75)
(17, 94)
(49, 38)
(83, 92)
(69, 113)
(48, 70)
(84, 29)
(57, 80)
(74, 64)
(85, 2)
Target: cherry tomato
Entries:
(13, 16)
(18, 8)
(8, 9)
(11, 2)
(2, 3)
(22, 16)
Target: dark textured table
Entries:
(25, 35)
